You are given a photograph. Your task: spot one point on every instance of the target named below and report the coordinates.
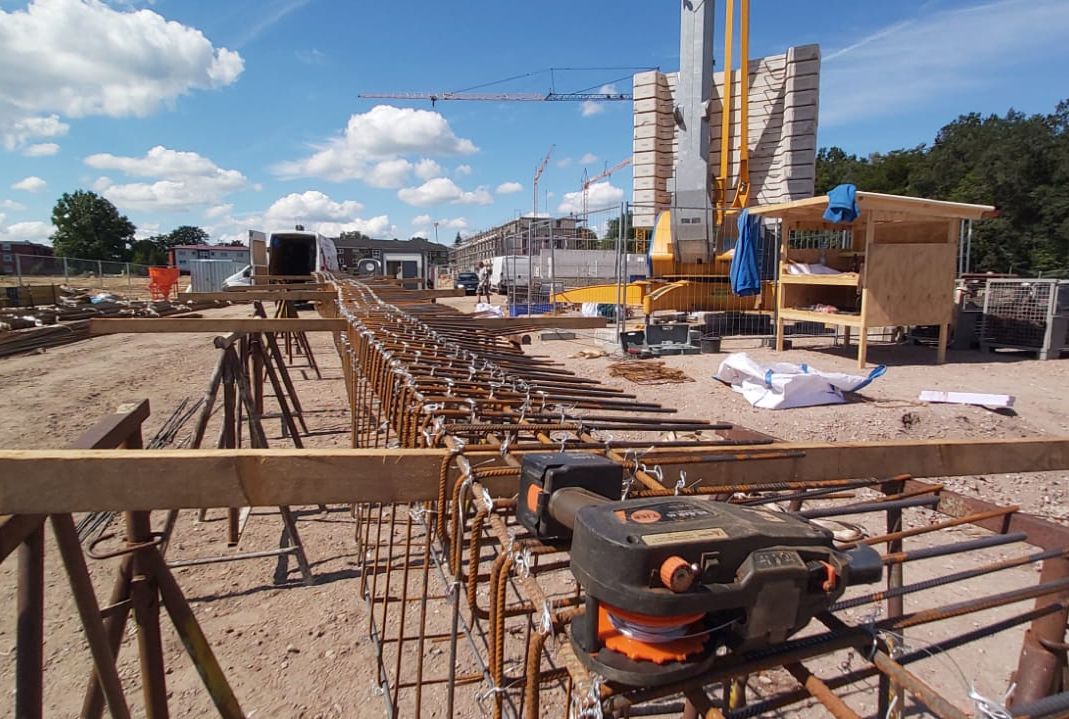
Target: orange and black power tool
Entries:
(672, 583)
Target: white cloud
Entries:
(44, 149)
(218, 211)
(479, 196)
(320, 213)
(462, 170)
(311, 206)
(883, 74)
(184, 180)
(564, 162)
(589, 107)
(421, 220)
(455, 223)
(30, 184)
(26, 232)
(441, 189)
(12, 205)
(389, 173)
(431, 192)
(16, 133)
(588, 159)
(600, 195)
(77, 58)
(507, 188)
(427, 169)
(378, 226)
(420, 233)
(382, 134)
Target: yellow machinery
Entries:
(683, 278)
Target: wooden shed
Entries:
(892, 266)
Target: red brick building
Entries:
(27, 250)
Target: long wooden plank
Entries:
(47, 481)
(262, 294)
(848, 460)
(216, 325)
(264, 279)
(564, 323)
(288, 287)
(394, 294)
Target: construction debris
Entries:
(25, 330)
(648, 373)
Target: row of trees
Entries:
(88, 226)
(1018, 163)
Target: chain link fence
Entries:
(125, 278)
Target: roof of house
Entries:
(232, 248)
(416, 244)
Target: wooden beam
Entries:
(848, 460)
(263, 294)
(214, 325)
(520, 324)
(394, 294)
(48, 481)
(302, 286)
(264, 279)
(97, 480)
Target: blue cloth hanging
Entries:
(842, 204)
(745, 277)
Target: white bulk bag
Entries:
(783, 385)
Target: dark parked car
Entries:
(469, 281)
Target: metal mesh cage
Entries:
(1026, 314)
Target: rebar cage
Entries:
(470, 614)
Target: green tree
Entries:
(353, 235)
(458, 238)
(89, 226)
(185, 235)
(1016, 162)
(150, 251)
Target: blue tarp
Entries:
(842, 204)
(745, 277)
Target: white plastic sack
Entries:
(489, 310)
(784, 385)
(589, 309)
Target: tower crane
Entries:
(537, 177)
(595, 93)
(435, 97)
(588, 181)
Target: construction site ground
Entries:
(293, 650)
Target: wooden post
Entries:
(944, 336)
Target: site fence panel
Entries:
(127, 278)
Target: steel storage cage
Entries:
(1026, 314)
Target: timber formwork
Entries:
(465, 607)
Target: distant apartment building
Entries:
(518, 237)
(399, 258)
(180, 255)
(26, 251)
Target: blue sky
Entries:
(244, 114)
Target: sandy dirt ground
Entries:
(293, 650)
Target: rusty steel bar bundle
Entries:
(469, 613)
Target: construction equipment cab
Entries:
(299, 253)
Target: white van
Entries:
(297, 252)
(509, 271)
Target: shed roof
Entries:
(881, 207)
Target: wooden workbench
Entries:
(896, 262)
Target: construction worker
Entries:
(484, 282)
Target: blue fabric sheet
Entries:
(842, 204)
(745, 277)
